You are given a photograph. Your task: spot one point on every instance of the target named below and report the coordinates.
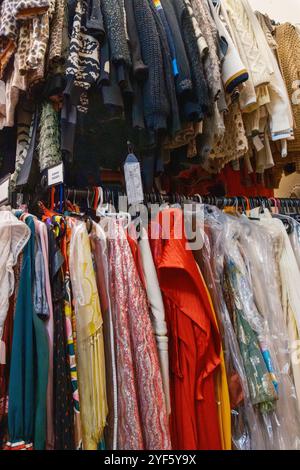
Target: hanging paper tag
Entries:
(55, 175)
(4, 190)
(258, 144)
(133, 179)
(2, 353)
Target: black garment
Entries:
(94, 20)
(201, 92)
(155, 99)
(183, 80)
(8, 140)
(25, 172)
(170, 39)
(140, 70)
(63, 398)
(111, 94)
(104, 75)
(174, 119)
(115, 30)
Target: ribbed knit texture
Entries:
(156, 106)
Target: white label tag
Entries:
(107, 66)
(56, 175)
(258, 144)
(134, 186)
(4, 191)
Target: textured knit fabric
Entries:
(174, 120)
(201, 92)
(212, 64)
(140, 70)
(288, 40)
(116, 32)
(156, 105)
(143, 420)
(183, 79)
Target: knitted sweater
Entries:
(174, 124)
(116, 31)
(201, 93)
(156, 105)
(288, 40)
(183, 80)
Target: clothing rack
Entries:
(111, 195)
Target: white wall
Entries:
(279, 10)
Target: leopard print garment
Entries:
(8, 33)
(23, 11)
(56, 44)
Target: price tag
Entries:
(133, 179)
(5, 191)
(258, 144)
(55, 175)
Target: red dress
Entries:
(194, 341)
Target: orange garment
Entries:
(194, 340)
(136, 256)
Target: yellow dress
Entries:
(90, 344)
(222, 393)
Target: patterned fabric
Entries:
(261, 386)
(63, 409)
(90, 344)
(70, 323)
(49, 140)
(25, 122)
(83, 63)
(99, 250)
(143, 420)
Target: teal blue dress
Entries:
(21, 380)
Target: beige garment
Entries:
(212, 65)
(157, 313)
(15, 84)
(201, 41)
(187, 136)
(90, 345)
(233, 144)
(251, 48)
(289, 280)
(14, 235)
(288, 41)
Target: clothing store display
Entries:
(152, 306)
(196, 354)
(159, 66)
